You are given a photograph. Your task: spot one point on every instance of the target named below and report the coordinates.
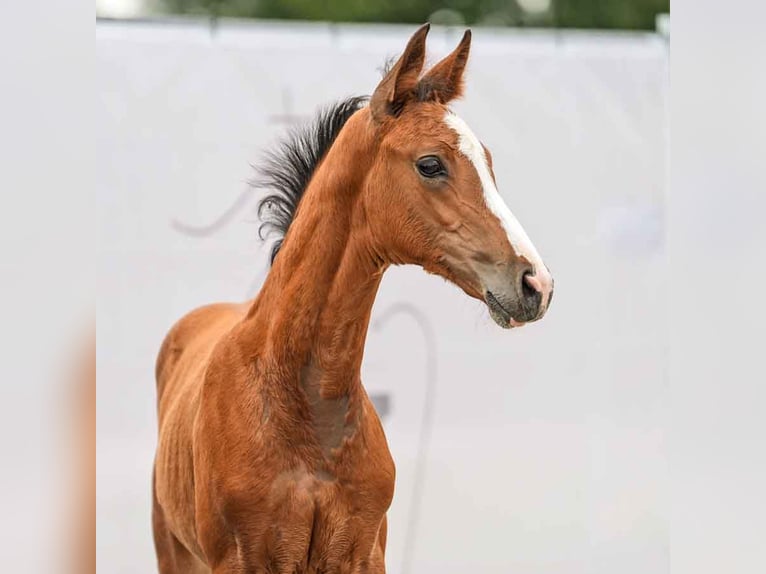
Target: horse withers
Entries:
(271, 457)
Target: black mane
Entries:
(287, 171)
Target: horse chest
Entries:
(307, 497)
(320, 524)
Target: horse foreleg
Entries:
(172, 556)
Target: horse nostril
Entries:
(527, 289)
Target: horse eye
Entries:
(430, 166)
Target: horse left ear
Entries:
(444, 82)
(400, 82)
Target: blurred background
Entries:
(540, 450)
(610, 14)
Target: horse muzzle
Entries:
(526, 299)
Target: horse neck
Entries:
(313, 311)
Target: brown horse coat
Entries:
(270, 456)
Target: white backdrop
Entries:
(547, 450)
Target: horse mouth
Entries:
(500, 314)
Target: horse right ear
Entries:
(444, 82)
(400, 82)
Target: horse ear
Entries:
(400, 82)
(444, 82)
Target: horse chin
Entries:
(499, 313)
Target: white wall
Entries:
(547, 450)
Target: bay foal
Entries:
(271, 457)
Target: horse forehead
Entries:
(426, 121)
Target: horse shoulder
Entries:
(180, 368)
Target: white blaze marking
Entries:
(471, 147)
